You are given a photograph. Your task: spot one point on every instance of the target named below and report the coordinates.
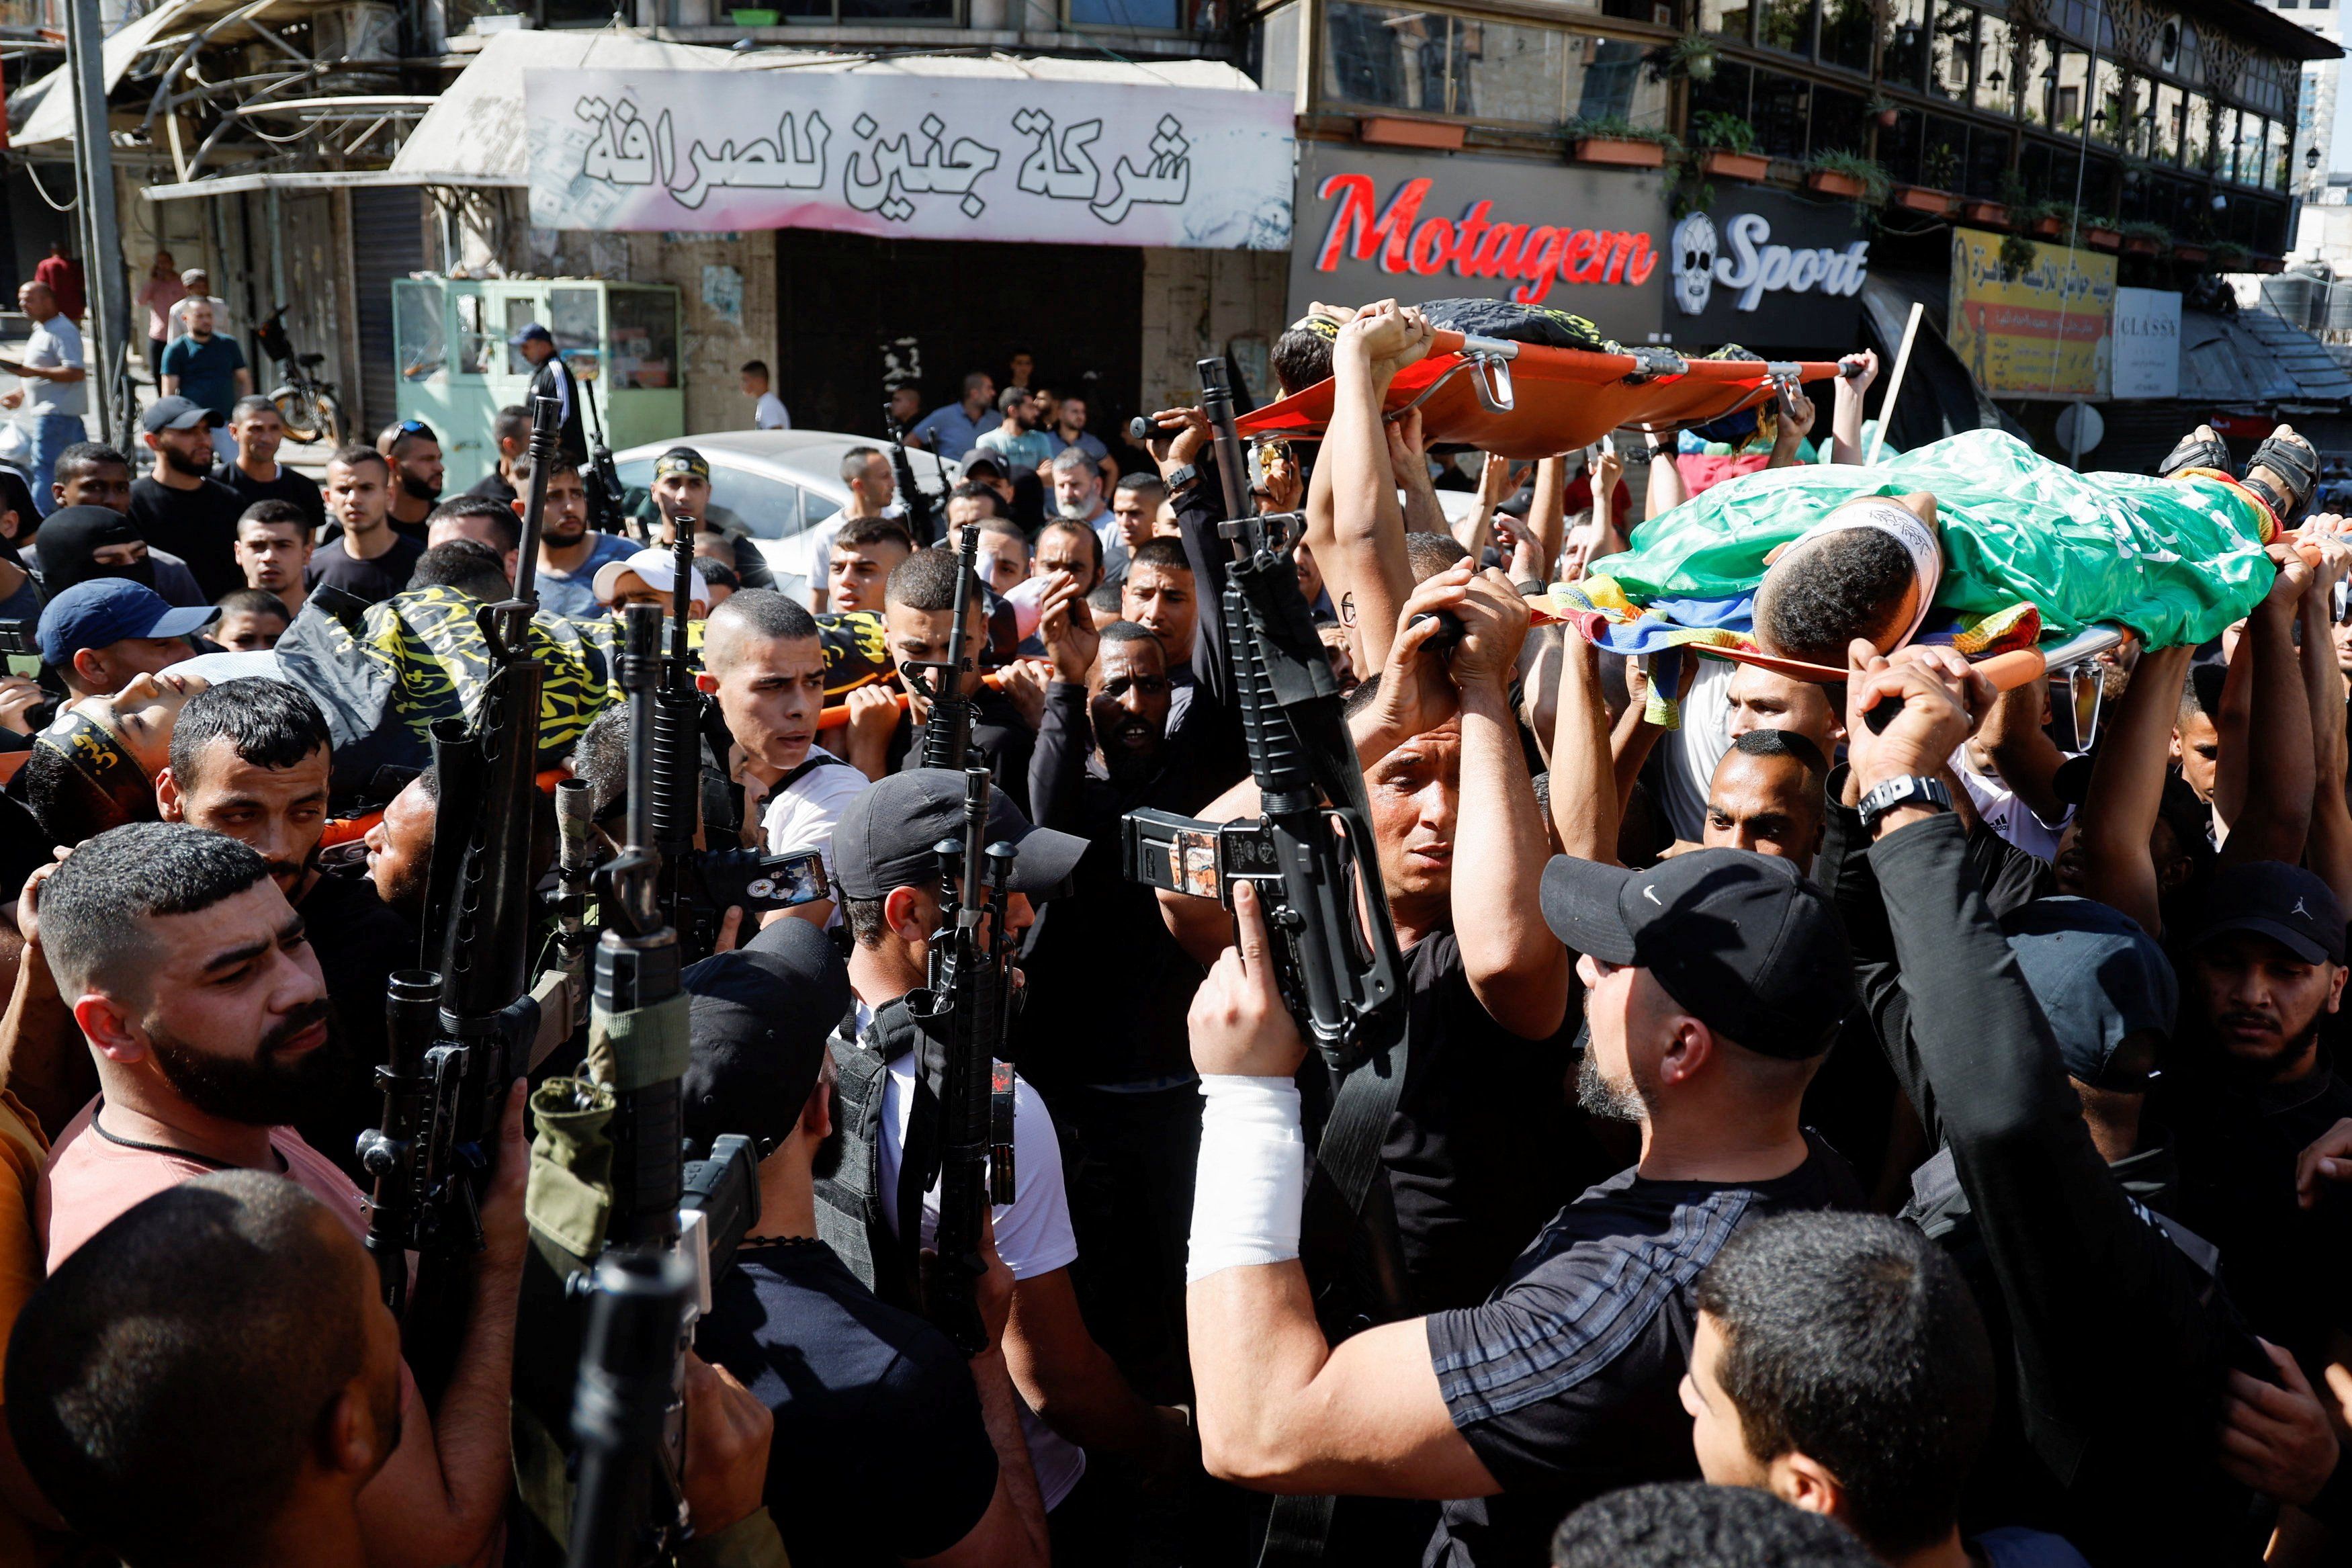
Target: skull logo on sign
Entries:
(1694, 262)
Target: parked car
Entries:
(782, 483)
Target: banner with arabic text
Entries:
(908, 157)
(2038, 331)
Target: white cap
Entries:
(654, 567)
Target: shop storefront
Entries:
(1761, 268)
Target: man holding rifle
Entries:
(886, 872)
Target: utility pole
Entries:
(101, 241)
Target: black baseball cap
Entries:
(1742, 941)
(889, 836)
(758, 1020)
(172, 411)
(2269, 897)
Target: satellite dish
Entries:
(2080, 428)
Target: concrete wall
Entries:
(1196, 303)
(727, 285)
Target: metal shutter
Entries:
(387, 242)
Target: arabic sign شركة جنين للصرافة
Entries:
(626, 150)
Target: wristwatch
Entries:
(1182, 475)
(1910, 789)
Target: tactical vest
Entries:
(850, 1215)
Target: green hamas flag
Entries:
(2175, 559)
(385, 674)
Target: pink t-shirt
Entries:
(92, 1179)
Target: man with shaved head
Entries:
(761, 658)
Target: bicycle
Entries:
(307, 405)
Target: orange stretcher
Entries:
(1522, 400)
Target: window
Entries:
(1725, 18)
(417, 332)
(2107, 88)
(2038, 75)
(2169, 128)
(2225, 142)
(1848, 28)
(1988, 162)
(1953, 52)
(572, 318)
(2278, 142)
(1786, 25)
(645, 339)
(2249, 161)
(1388, 58)
(520, 313)
(770, 508)
(1132, 15)
(1841, 122)
(1725, 93)
(1997, 69)
(1782, 105)
(2197, 152)
(1905, 59)
(473, 334)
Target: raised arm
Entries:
(1516, 968)
(1279, 1409)
(1586, 808)
(2330, 843)
(1795, 423)
(1362, 555)
(1845, 412)
(2021, 752)
(2276, 817)
(2119, 809)
(1665, 489)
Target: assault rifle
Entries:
(697, 887)
(947, 734)
(464, 1023)
(670, 1219)
(967, 1009)
(1310, 851)
(605, 495)
(921, 521)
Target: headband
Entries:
(93, 751)
(1918, 541)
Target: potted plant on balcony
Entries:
(1692, 56)
(2100, 234)
(2145, 238)
(2194, 254)
(1613, 139)
(1727, 146)
(1847, 174)
(2052, 220)
(1884, 110)
(2228, 255)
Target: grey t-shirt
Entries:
(55, 342)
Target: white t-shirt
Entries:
(800, 815)
(2005, 813)
(1693, 751)
(1033, 1231)
(770, 415)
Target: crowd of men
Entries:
(1880, 1120)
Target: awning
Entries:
(301, 180)
(475, 135)
(40, 113)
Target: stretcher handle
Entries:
(2023, 667)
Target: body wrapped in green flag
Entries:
(2175, 559)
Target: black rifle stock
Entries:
(1310, 851)
(921, 518)
(637, 1307)
(947, 732)
(462, 1027)
(970, 994)
(605, 494)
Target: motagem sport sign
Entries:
(1766, 267)
(910, 157)
(1377, 224)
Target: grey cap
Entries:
(889, 836)
(2099, 979)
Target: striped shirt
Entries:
(1564, 1381)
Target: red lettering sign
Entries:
(1475, 244)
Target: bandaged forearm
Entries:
(1253, 1175)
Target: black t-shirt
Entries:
(374, 580)
(199, 526)
(1565, 1383)
(1486, 1146)
(879, 1453)
(2288, 1269)
(493, 486)
(290, 485)
(359, 939)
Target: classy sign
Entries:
(920, 157)
(1770, 267)
(1413, 227)
(2148, 344)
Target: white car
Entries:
(782, 483)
